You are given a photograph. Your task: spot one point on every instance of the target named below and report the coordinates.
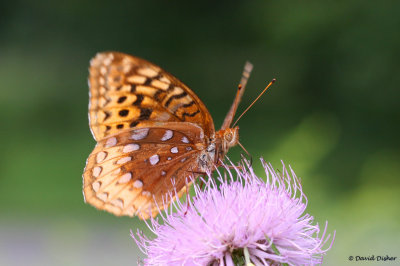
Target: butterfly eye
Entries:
(228, 136)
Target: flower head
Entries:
(242, 220)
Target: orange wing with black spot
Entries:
(126, 91)
(151, 130)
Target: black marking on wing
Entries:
(121, 99)
(176, 96)
(188, 104)
(145, 113)
(123, 112)
(107, 115)
(134, 124)
(139, 99)
(190, 115)
(157, 95)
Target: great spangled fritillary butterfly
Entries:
(152, 133)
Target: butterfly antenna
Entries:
(248, 67)
(245, 111)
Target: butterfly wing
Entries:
(126, 91)
(128, 95)
(129, 171)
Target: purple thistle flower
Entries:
(241, 221)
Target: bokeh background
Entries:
(333, 115)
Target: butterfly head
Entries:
(230, 138)
(224, 140)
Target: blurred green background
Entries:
(333, 115)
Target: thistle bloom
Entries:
(241, 221)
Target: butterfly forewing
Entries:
(126, 91)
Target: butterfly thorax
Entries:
(218, 147)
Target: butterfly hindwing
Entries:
(126, 91)
(127, 171)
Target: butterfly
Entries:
(152, 133)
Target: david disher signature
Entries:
(372, 258)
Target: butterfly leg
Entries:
(187, 199)
(239, 167)
(198, 173)
(201, 180)
(187, 188)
